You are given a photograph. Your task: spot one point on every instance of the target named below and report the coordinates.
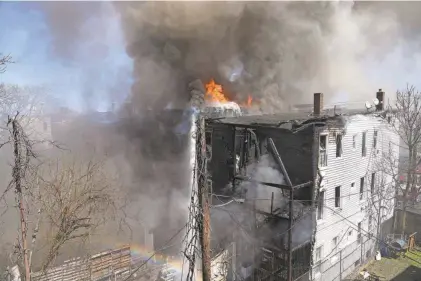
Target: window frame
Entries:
(375, 138)
(320, 209)
(373, 182)
(364, 144)
(362, 186)
(338, 197)
(322, 162)
(339, 145)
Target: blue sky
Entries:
(25, 35)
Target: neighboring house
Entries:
(331, 158)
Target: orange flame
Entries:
(214, 92)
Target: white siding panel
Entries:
(343, 171)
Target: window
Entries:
(322, 151)
(370, 221)
(337, 197)
(373, 182)
(338, 145)
(354, 141)
(363, 148)
(352, 190)
(389, 119)
(318, 260)
(319, 252)
(321, 205)
(349, 238)
(362, 188)
(359, 233)
(45, 126)
(335, 241)
(375, 140)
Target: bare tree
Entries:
(4, 61)
(75, 199)
(407, 124)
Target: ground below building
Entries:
(405, 268)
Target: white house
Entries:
(354, 191)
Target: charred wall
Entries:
(295, 149)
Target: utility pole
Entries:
(17, 178)
(197, 92)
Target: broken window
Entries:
(354, 141)
(375, 140)
(363, 148)
(362, 188)
(322, 151)
(359, 233)
(373, 182)
(321, 205)
(338, 145)
(337, 197)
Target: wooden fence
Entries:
(109, 265)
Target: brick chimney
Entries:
(380, 97)
(318, 104)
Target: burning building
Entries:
(295, 191)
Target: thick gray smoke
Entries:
(278, 52)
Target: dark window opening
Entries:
(45, 126)
(359, 233)
(337, 196)
(361, 188)
(373, 182)
(375, 140)
(338, 145)
(363, 148)
(321, 205)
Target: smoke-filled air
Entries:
(134, 61)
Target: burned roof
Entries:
(295, 117)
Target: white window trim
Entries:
(326, 134)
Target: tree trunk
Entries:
(17, 174)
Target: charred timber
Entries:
(276, 185)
